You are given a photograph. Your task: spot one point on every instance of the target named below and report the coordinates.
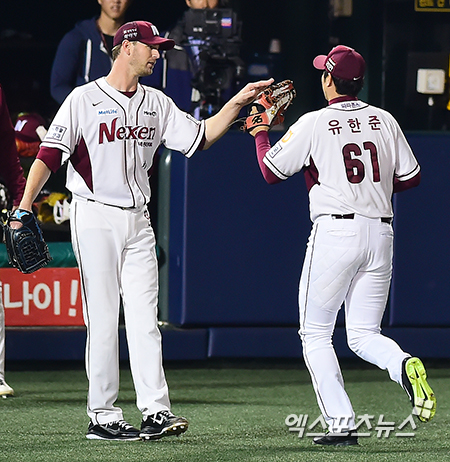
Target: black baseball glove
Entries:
(27, 250)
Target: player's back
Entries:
(355, 150)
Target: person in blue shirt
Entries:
(84, 53)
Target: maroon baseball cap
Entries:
(342, 62)
(30, 127)
(142, 31)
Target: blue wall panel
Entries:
(421, 289)
(236, 243)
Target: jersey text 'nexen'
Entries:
(127, 132)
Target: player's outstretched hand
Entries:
(250, 92)
(218, 124)
(269, 107)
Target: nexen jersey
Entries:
(98, 129)
(350, 152)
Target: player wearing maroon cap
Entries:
(354, 157)
(109, 131)
(30, 131)
(11, 171)
(12, 176)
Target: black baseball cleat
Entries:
(414, 382)
(337, 439)
(113, 431)
(163, 423)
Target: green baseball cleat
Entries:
(414, 378)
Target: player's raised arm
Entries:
(218, 124)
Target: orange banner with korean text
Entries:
(48, 297)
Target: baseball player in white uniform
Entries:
(354, 157)
(108, 131)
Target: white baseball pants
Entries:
(115, 250)
(347, 261)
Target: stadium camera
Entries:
(217, 35)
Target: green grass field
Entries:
(237, 412)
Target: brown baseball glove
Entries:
(269, 107)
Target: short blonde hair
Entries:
(116, 51)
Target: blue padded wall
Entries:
(421, 290)
(236, 243)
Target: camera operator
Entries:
(204, 68)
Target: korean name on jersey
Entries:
(350, 152)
